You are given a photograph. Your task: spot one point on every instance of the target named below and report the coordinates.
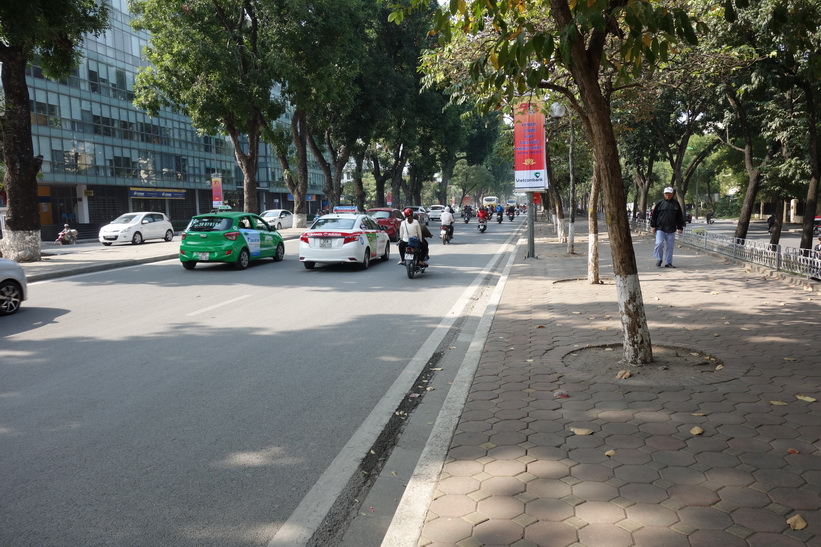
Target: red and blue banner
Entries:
(529, 147)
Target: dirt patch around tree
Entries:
(671, 366)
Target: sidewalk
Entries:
(618, 462)
(85, 257)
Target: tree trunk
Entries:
(299, 132)
(811, 203)
(380, 178)
(775, 235)
(359, 187)
(593, 231)
(555, 201)
(447, 173)
(328, 188)
(21, 239)
(753, 172)
(248, 162)
(584, 67)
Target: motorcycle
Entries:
(67, 237)
(412, 258)
(510, 216)
(482, 225)
(445, 235)
(466, 217)
(499, 217)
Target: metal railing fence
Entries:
(800, 262)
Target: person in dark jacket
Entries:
(666, 220)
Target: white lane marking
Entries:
(409, 518)
(312, 510)
(215, 306)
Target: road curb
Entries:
(91, 268)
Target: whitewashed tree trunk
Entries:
(593, 258)
(571, 239)
(637, 347)
(21, 246)
(300, 220)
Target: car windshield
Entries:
(380, 214)
(209, 224)
(333, 223)
(124, 219)
(267, 214)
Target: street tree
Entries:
(581, 51)
(782, 40)
(213, 62)
(50, 33)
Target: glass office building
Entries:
(103, 157)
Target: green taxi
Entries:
(232, 237)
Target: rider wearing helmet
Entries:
(411, 228)
(447, 219)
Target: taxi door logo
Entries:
(252, 238)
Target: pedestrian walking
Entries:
(666, 220)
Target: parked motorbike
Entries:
(445, 234)
(68, 236)
(413, 255)
(482, 225)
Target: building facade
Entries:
(103, 157)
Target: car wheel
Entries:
(137, 239)
(387, 254)
(107, 244)
(280, 254)
(169, 235)
(243, 260)
(309, 265)
(279, 226)
(189, 264)
(11, 296)
(366, 260)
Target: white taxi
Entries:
(343, 238)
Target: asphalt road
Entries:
(151, 405)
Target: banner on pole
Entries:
(216, 191)
(529, 147)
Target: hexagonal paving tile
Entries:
(554, 534)
(652, 514)
(646, 493)
(702, 518)
(600, 512)
(453, 506)
(498, 532)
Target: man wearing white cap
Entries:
(666, 220)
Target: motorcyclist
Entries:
(499, 209)
(511, 210)
(447, 220)
(65, 235)
(483, 216)
(411, 228)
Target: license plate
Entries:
(408, 256)
(203, 256)
(325, 243)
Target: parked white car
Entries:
(278, 218)
(136, 228)
(13, 286)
